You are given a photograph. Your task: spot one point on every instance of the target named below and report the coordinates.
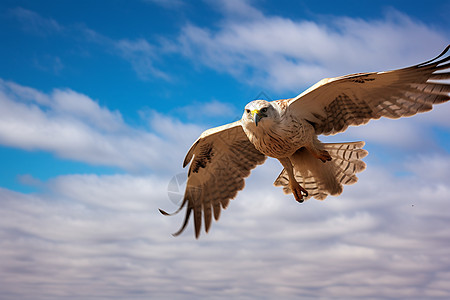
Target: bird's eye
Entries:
(247, 111)
(264, 110)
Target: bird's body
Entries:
(288, 130)
(278, 132)
(266, 136)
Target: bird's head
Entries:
(259, 112)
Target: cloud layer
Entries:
(89, 236)
(384, 238)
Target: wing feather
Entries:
(333, 104)
(221, 159)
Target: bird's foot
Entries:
(299, 192)
(323, 155)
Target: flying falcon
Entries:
(287, 130)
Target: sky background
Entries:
(100, 100)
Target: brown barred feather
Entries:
(323, 179)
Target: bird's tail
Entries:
(323, 179)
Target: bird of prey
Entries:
(222, 157)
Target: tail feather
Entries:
(323, 179)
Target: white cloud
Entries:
(118, 192)
(73, 126)
(285, 54)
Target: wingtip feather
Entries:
(185, 222)
(163, 212)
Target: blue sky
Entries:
(99, 101)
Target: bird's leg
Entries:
(323, 155)
(297, 190)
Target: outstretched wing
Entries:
(221, 158)
(333, 104)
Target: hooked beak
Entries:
(256, 116)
